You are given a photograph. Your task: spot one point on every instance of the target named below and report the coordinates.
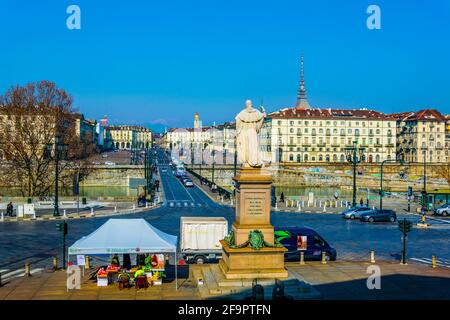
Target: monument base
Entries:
(248, 263)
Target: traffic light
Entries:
(62, 227)
(405, 226)
(421, 201)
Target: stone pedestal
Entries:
(253, 199)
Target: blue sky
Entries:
(161, 61)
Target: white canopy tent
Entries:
(132, 236)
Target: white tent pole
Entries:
(176, 274)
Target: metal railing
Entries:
(221, 191)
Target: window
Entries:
(291, 157)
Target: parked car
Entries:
(188, 183)
(443, 210)
(355, 212)
(297, 239)
(378, 215)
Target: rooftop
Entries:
(318, 113)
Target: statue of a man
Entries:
(248, 123)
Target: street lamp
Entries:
(424, 192)
(59, 153)
(381, 178)
(354, 156)
(235, 155)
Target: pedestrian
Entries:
(9, 209)
(282, 197)
(361, 202)
(336, 195)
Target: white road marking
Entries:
(19, 273)
(428, 261)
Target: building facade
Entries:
(422, 136)
(129, 137)
(197, 144)
(322, 135)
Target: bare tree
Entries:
(31, 117)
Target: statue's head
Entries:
(248, 104)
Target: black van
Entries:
(297, 239)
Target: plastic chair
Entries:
(124, 281)
(141, 282)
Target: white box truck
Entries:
(199, 238)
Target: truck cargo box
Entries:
(202, 233)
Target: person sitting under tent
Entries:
(115, 260)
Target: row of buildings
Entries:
(107, 137)
(306, 134)
(102, 135)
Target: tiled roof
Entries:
(318, 113)
(422, 115)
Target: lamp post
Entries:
(424, 192)
(146, 172)
(78, 188)
(60, 152)
(213, 153)
(202, 149)
(381, 178)
(235, 156)
(354, 156)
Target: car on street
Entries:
(297, 239)
(188, 183)
(378, 215)
(443, 210)
(179, 173)
(355, 212)
(109, 163)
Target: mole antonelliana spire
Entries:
(302, 101)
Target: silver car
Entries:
(188, 183)
(355, 213)
(443, 210)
